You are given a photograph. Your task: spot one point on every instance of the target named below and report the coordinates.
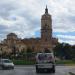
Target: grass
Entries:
(65, 62)
(30, 62)
(23, 62)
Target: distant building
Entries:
(13, 41)
(36, 44)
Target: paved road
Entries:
(30, 70)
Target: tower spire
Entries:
(46, 10)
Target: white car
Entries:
(45, 62)
(6, 63)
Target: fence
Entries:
(22, 59)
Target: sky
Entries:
(23, 17)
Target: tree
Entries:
(73, 52)
(58, 50)
(63, 50)
(29, 52)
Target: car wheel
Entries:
(53, 69)
(12, 67)
(3, 68)
(37, 70)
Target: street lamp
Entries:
(14, 50)
(1, 52)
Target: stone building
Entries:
(46, 40)
(36, 44)
(13, 41)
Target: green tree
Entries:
(73, 52)
(29, 53)
(63, 50)
(29, 50)
(58, 50)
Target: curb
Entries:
(65, 65)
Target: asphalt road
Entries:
(30, 70)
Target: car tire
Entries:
(3, 68)
(12, 68)
(53, 69)
(37, 70)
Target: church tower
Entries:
(46, 26)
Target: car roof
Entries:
(44, 53)
(4, 59)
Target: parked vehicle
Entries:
(6, 64)
(45, 62)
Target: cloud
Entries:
(23, 17)
(67, 41)
(66, 37)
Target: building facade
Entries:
(46, 41)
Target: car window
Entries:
(7, 61)
(42, 57)
(45, 57)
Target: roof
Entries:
(11, 34)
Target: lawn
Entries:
(29, 62)
(66, 62)
(23, 62)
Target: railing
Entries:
(22, 59)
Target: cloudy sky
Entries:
(23, 18)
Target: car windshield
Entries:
(45, 57)
(7, 61)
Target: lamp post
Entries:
(1, 52)
(14, 50)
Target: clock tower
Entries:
(46, 27)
